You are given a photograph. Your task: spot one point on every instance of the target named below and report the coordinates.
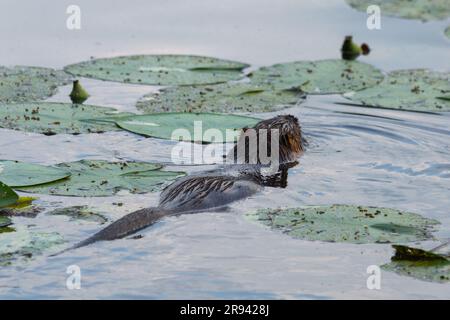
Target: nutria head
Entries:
(290, 141)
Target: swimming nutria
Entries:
(215, 190)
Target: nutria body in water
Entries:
(216, 189)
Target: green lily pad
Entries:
(22, 244)
(51, 118)
(227, 98)
(447, 32)
(7, 195)
(415, 90)
(79, 213)
(163, 125)
(347, 223)
(419, 264)
(424, 10)
(20, 83)
(96, 178)
(4, 221)
(318, 77)
(160, 69)
(21, 174)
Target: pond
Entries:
(356, 155)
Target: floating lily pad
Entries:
(160, 69)
(424, 10)
(79, 213)
(415, 90)
(20, 83)
(51, 118)
(95, 178)
(419, 264)
(23, 244)
(346, 223)
(318, 77)
(7, 195)
(20, 174)
(447, 32)
(4, 221)
(227, 98)
(163, 125)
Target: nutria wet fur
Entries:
(215, 190)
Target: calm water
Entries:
(356, 155)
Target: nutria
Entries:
(216, 189)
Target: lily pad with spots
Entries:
(347, 223)
(51, 118)
(414, 90)
(226, 98)
(7, 195)
(20, 174)
(163, 125)
(424, 10)
(79, 213)
(160, 69)
(22, 244)
(419, 264)
(21, 83)
(318, 77)
(95, 178)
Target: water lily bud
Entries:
(78, 94)
(351, 51)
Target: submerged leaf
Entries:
(318, 77)
(415, 90)
(21, 83)
(419, 264)
(20, 174)
(346, 223)
(160, 69)
(23, 244)
(79, 213)
(226, 98)
(51, 118)
(94, 178)
(410, 9)
(163, 125)
(23, 207)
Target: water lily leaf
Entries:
(419, 264)
(163, 125)
(160, 69)
(415, 90)
(4, 221)
(347, 223)
(79, 213)
(447, 32)
(226, 97)
(318, 77)
(424, 10)
(21, 83)
(95, 178)
(7, 195)
(51, 118)
(22, 244)
(20, 174)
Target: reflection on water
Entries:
(356, 155)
